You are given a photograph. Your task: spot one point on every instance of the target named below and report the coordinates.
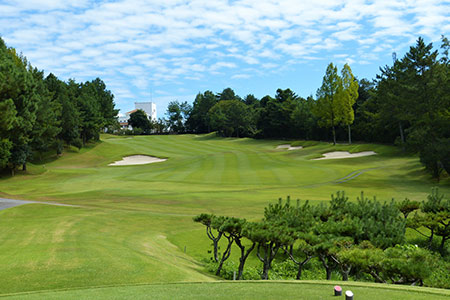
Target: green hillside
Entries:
(132, 224)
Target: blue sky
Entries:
(165, 50)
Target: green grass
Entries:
(238, 290)
(134, 222)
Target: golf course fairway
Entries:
(129, 232)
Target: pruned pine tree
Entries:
(206, 219)
(235, 227)
(217, 223)
(435, 217)
(269, 238)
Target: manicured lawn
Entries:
(134, 222)
(248, 290)
(216, 174)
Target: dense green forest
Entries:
(407, 104)
(362, 240)
(40, 114)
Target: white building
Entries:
(148, 107)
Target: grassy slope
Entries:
(133, 222)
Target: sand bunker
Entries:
(137, 160)
(7, 203)
(289, 147)
(345, 154)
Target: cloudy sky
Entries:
(164, 50)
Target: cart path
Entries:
(7, 203)
(346, 178)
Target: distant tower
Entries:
(394, 57)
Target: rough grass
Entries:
(134, 222)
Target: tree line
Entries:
(39, 114)
(359, 240)
(407, 104)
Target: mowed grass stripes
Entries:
(133, 223)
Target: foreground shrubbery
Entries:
(364, 240)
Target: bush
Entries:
(228, 269)
(77, 143)
(304, 143)
(283, 270)
(137, 131)
(251, 273)
(408, 264)
(440, 277)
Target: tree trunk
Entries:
(225, 255)
(326, 266)
(24, 167)
(345, 271)
(349, 135)
(334, 135)
(265, 260)
(377, 277)
(84, 139)
(402, 136)
(328, 273)
(216, 246)
(215, 240)
(299, 272)
(265, 274)
(300, 266)
(441, 247)
(270, 251)
(243, 257)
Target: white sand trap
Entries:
(289, 147)
(345, 154)
(137, 160)
(295, 148)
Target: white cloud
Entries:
(240, 76)
(158, 42)
(222, 64)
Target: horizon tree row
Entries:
(40, 114)
(408, 104)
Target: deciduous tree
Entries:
(329, 107)
(348, 98)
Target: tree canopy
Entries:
(356, 239)
(41, 114)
